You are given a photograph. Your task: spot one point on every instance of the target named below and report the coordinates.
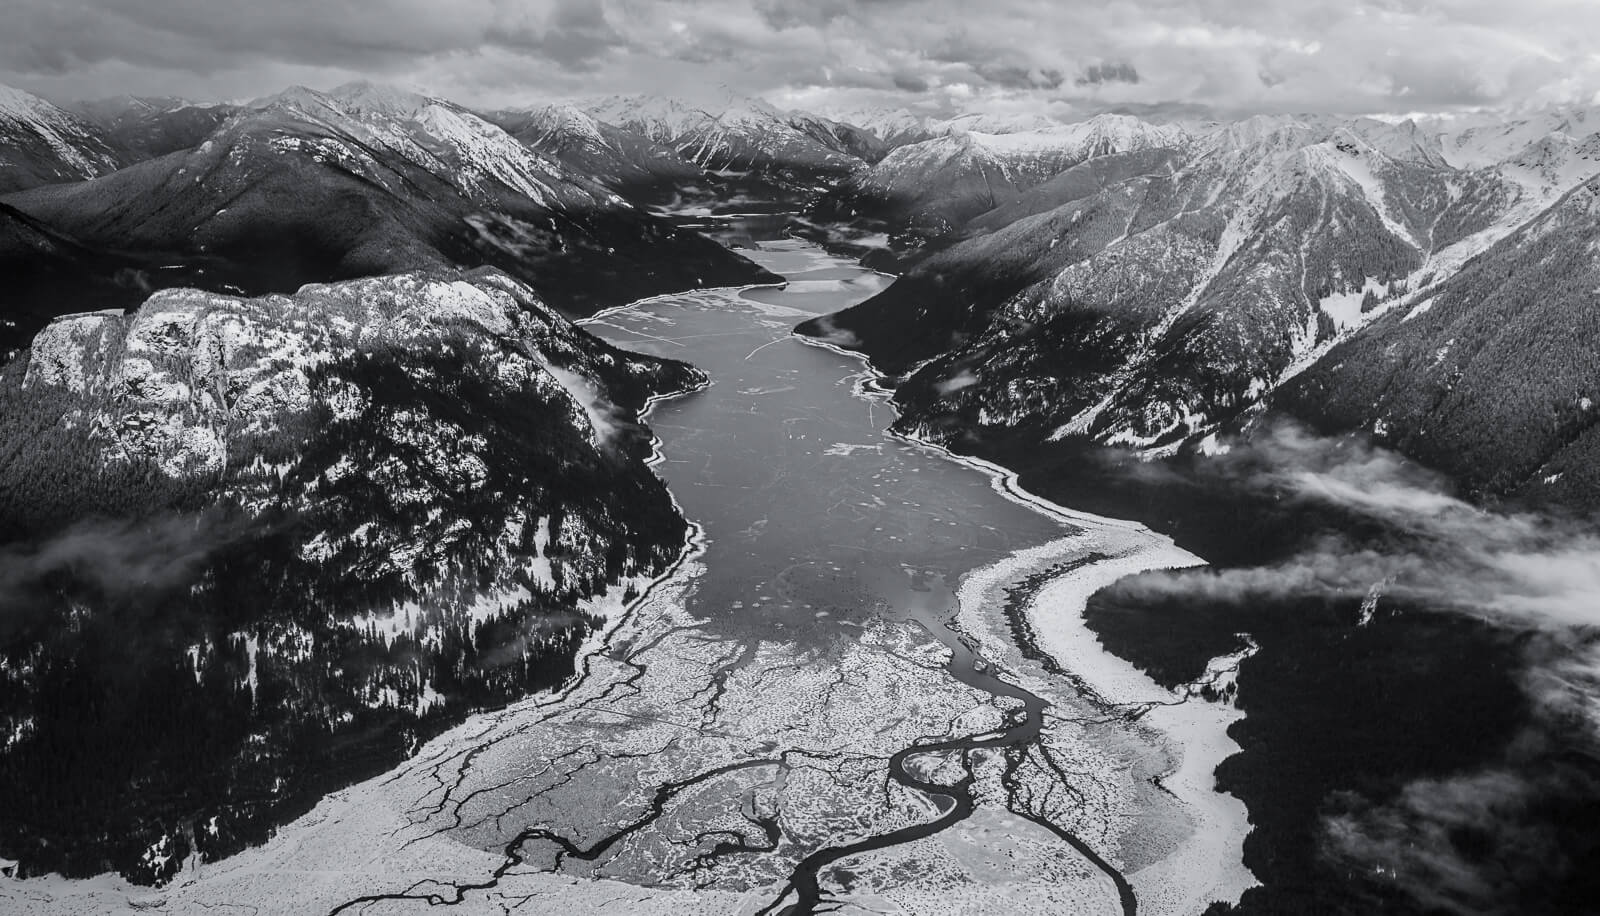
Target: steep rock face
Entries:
(933, 187)
(843, 136)
(308, 187)
(258, 548)
(1078, 182)
(1156, 309)
(43, 144)
(141, 128)
(1492, 375)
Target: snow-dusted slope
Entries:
(895, 127)
(1154, 310)
(307, 186)
(1482, 140)
(141, 128)
(356, 513)
(741, 134)
(620, 159)
(1555, 163)
(43, 144)
(478, 158)
(1097, 136)
(934, 186)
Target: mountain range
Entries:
(318, 348)
(1156, 298)
(312, 187)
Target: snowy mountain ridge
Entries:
(41, 143)
(1149, 309)
(439, 136)
(743, 134)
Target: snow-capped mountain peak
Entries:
(366, 97)
(440, 136)
(739, 134)
(41, 143)
(1555, 162)
(1485, 140)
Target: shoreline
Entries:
(694, 546)
(109, 892)
(1189, 775)
(605, 313)
(1208, 865)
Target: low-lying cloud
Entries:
(605, 418)
(1478, 842)
(1510, 838)
(117, 556)
(1519, 567)
(110, 560)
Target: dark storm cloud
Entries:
(1012, 76)
(186, 34)
(1022, 55)
(910, 82)
(577, 34)
(785, 14)
(1097, 74)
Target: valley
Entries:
(819, 707)
(634, 504)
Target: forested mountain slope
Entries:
(255, 549)
(933, 187)
(306, 187)
(1492, 375)
(140, 128)
(1154, 310)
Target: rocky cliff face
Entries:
(257, 548)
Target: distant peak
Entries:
(296, 95)
(380, 98)
(19, 102)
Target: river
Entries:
(865, 689)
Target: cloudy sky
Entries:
(1062, 56)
